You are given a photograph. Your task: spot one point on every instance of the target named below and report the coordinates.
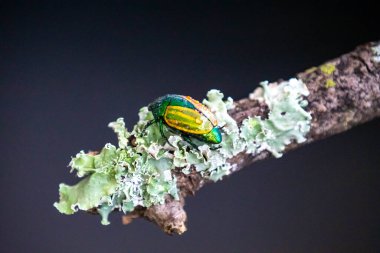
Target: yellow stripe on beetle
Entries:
(204, 110)
(187, 120)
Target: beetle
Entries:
(187, 116)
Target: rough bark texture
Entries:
(339, 99)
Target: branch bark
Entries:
(344, 92)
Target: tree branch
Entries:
(344, 92)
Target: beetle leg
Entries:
(161, 126)
(215, 148)
(151, 122)
(188, 140)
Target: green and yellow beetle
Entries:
(187, 116)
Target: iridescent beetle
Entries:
(187, 116)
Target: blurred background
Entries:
(68, 68)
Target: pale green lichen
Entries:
(142, 173)
(128, 176)
(87, 194)
(376, 52)
(287, 119)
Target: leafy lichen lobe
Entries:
(287, 120)
(376, 53)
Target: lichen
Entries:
(327, 68)
(311, 70)
(330, 83)
(287, 119)
(376, 52)
(140, 173)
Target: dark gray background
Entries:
(67, 69)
